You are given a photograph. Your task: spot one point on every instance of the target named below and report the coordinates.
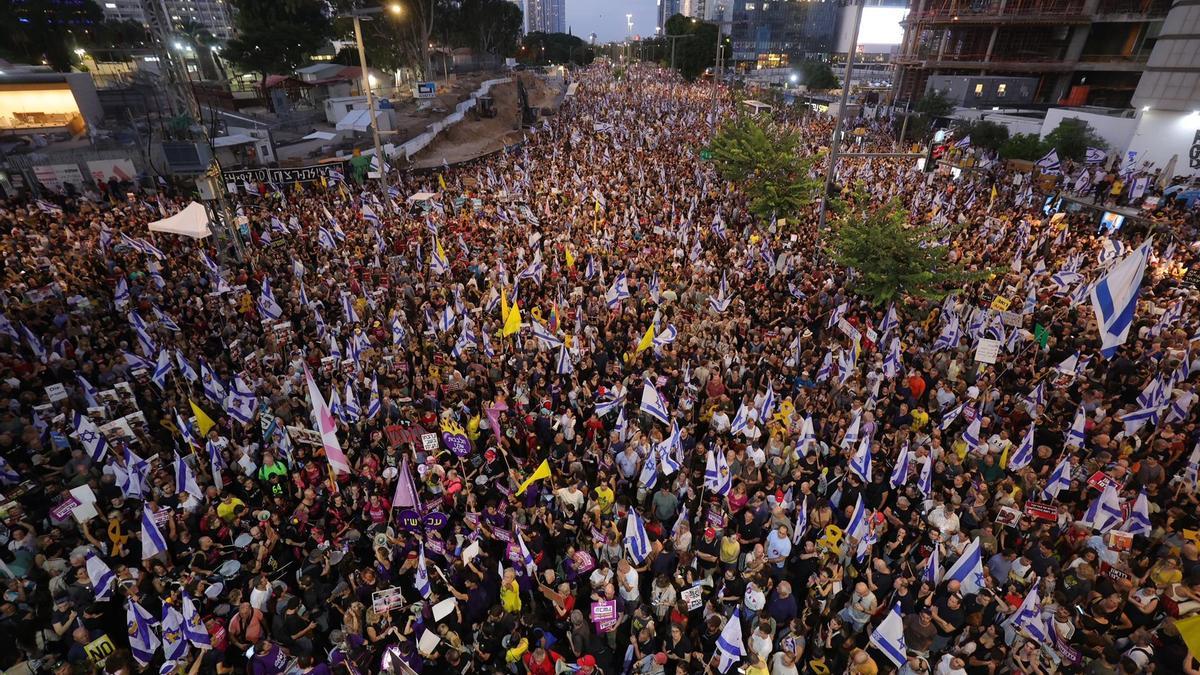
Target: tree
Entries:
(985, 134)
(1023, 146)
(1072, 137)
(538, 47)
(45, 30)
(276, 36)
(818, 75)
(930, 107)
(892, 258)
(693, 53)
(766, 161)
(489, 26)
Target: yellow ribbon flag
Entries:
(203, 421)
(540, 473)
(646, 341)
(1189, 630)
(993, 199)
(569, 256)
(503, 305)
(512, 323)
(441, 182)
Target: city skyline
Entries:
(606, 18)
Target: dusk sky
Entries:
(606, 18)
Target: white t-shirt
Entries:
(259, 598)
(630, 579)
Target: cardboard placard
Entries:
(1001, 303)
(1012, 319)
(429, 442)
(603, 611)
(850, 331)
(64, 508)
(693, 597)
(99, 649)
(386, 599)
(1008, 516)
(1101, 480)
(987, 351)
(56, 393)
(1041, 511)
(501, 534)
(584, 562)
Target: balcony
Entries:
(1011, 12)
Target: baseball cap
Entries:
(660, 658)
(587, 660)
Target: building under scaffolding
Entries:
(1083, 52)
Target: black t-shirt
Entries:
(955, 617)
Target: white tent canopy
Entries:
(190, 222)
(320, 136)
(355, 120)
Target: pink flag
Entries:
(406, 491)
(328, 428)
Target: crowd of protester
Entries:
(215, 532)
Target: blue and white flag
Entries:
(606, 406)
(889, 322)
(767, 407)
(617, 292)
(217, 462)
(266, 302)
(964, 142)
(350, 407)
(925, 479)
(526, 557)
(348, 312)
(1023, 455)
(837, 314)
(33, 342)
(1105, 511)
(730, 648)
(852, 432)
(1095, 156)
(94, 442)
(808, 436)
(888, 636)
(161, 369)
(717, 478)
(211, 384)
(153, 541)
(665, 337)
(8, 475)
(241, 403)
(370, 216)
(142, 640)
(933, 569)
(1059, 480)
(1115, 296)
(637, 544)
(1035, 398)
(1075, 435)
(100, 576)
(185, 482)
(859, 526)
(175, 647)
(1139, 517)
(563, 365)
(968, 569)
(186, 368)
(892, 363)
(121, 294)
(720, 302)
(544, 336)
(655, 293)
(7, 328)
(1049, 163)
(373, 403)
(971, 435)
(900, 471)
(193, 628)
(1028, 617)
(801, 526)
(648, 478)
(740, 420)
(826, 368)
(398, 331)
(653, 403)
(860, 463)
(421, 580)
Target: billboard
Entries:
(54, 177)
(104, 169)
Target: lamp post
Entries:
(358, 14)
(673, 38)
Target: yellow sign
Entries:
(1001, 304)
(99, 649)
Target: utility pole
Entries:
(673, 38)
(716, 74)
(366, 80)
(835, 140)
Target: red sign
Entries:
(1041, 511)
(1101, 480)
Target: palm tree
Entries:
(201, 42)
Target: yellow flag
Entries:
(542, 472)
(300, 188)
(203, 421)
(569, 256)
(646, 341)
(1189, 630)
(503, 305)
(441, 181)
(597, 207)
(441, 251)
(993, 200)
(512, 323)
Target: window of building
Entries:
(979, 89)
(749, 6)
(770, 60)
(1001, 90)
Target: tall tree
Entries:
(892, 258)
(1072, 137)
(489, 26)
(767, 163)
(695, 52)
(276, 36)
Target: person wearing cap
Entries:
(587, 665)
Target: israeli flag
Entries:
(971, 435)
(8, 475)
(605, 407)
(193, 628)
(100, 576)
(185, 482)
(373, 403)
(175, 647)
(741, 420)
(186, 368)
(1059, 479)
(717, 478)
(666, 337)
(526, 557)
(858, 527)
(801, 526)
(325, 239)
(121, 294)
(968, 569)
(826, 368)
(655, 294)
(142, 640)
(730, 648)
(563, 365)
(185, 430)
(925, 479)
(892, 363)
(950, 336)
(1049, 163)
(1024, 453)
(900, 471)
(1028, 617)
(266, 302)
(1035, 398)
(6, 327)
(241, 404)
(1179, 408)
(617, 292)
(720, 302)
(767, 408)
(33, 342)
(648, 478)
(1105, 511)
(653, 403)
(398, 331)
(837, 314)
(370, 216)
(1115, 296)
(933, 568)
(153, 542)
(421, 581)
(1095, 156)
(808, 435)
(964, 142)
(94, 442)
(216, 462)
(161, 369)
(351, 408)
(860, 463)
(211, 384)
(544, 336)
(637, 544)
(1075, 435)
(888, 636)
(165, 320)
(851, 436)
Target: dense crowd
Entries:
(580, 411)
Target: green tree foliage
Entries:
(34, 31)
(1024, 146)
(693, 53)
(276, 36)
(489, 26)
(985, 134)
(818, 75)
(766, 162)
(927, 109)
(1072, 137)
(892, 258)
(538, 47)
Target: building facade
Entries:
(667, 9)
(1083, 52)
(215, 15)
(545, 16)
(782, 33)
